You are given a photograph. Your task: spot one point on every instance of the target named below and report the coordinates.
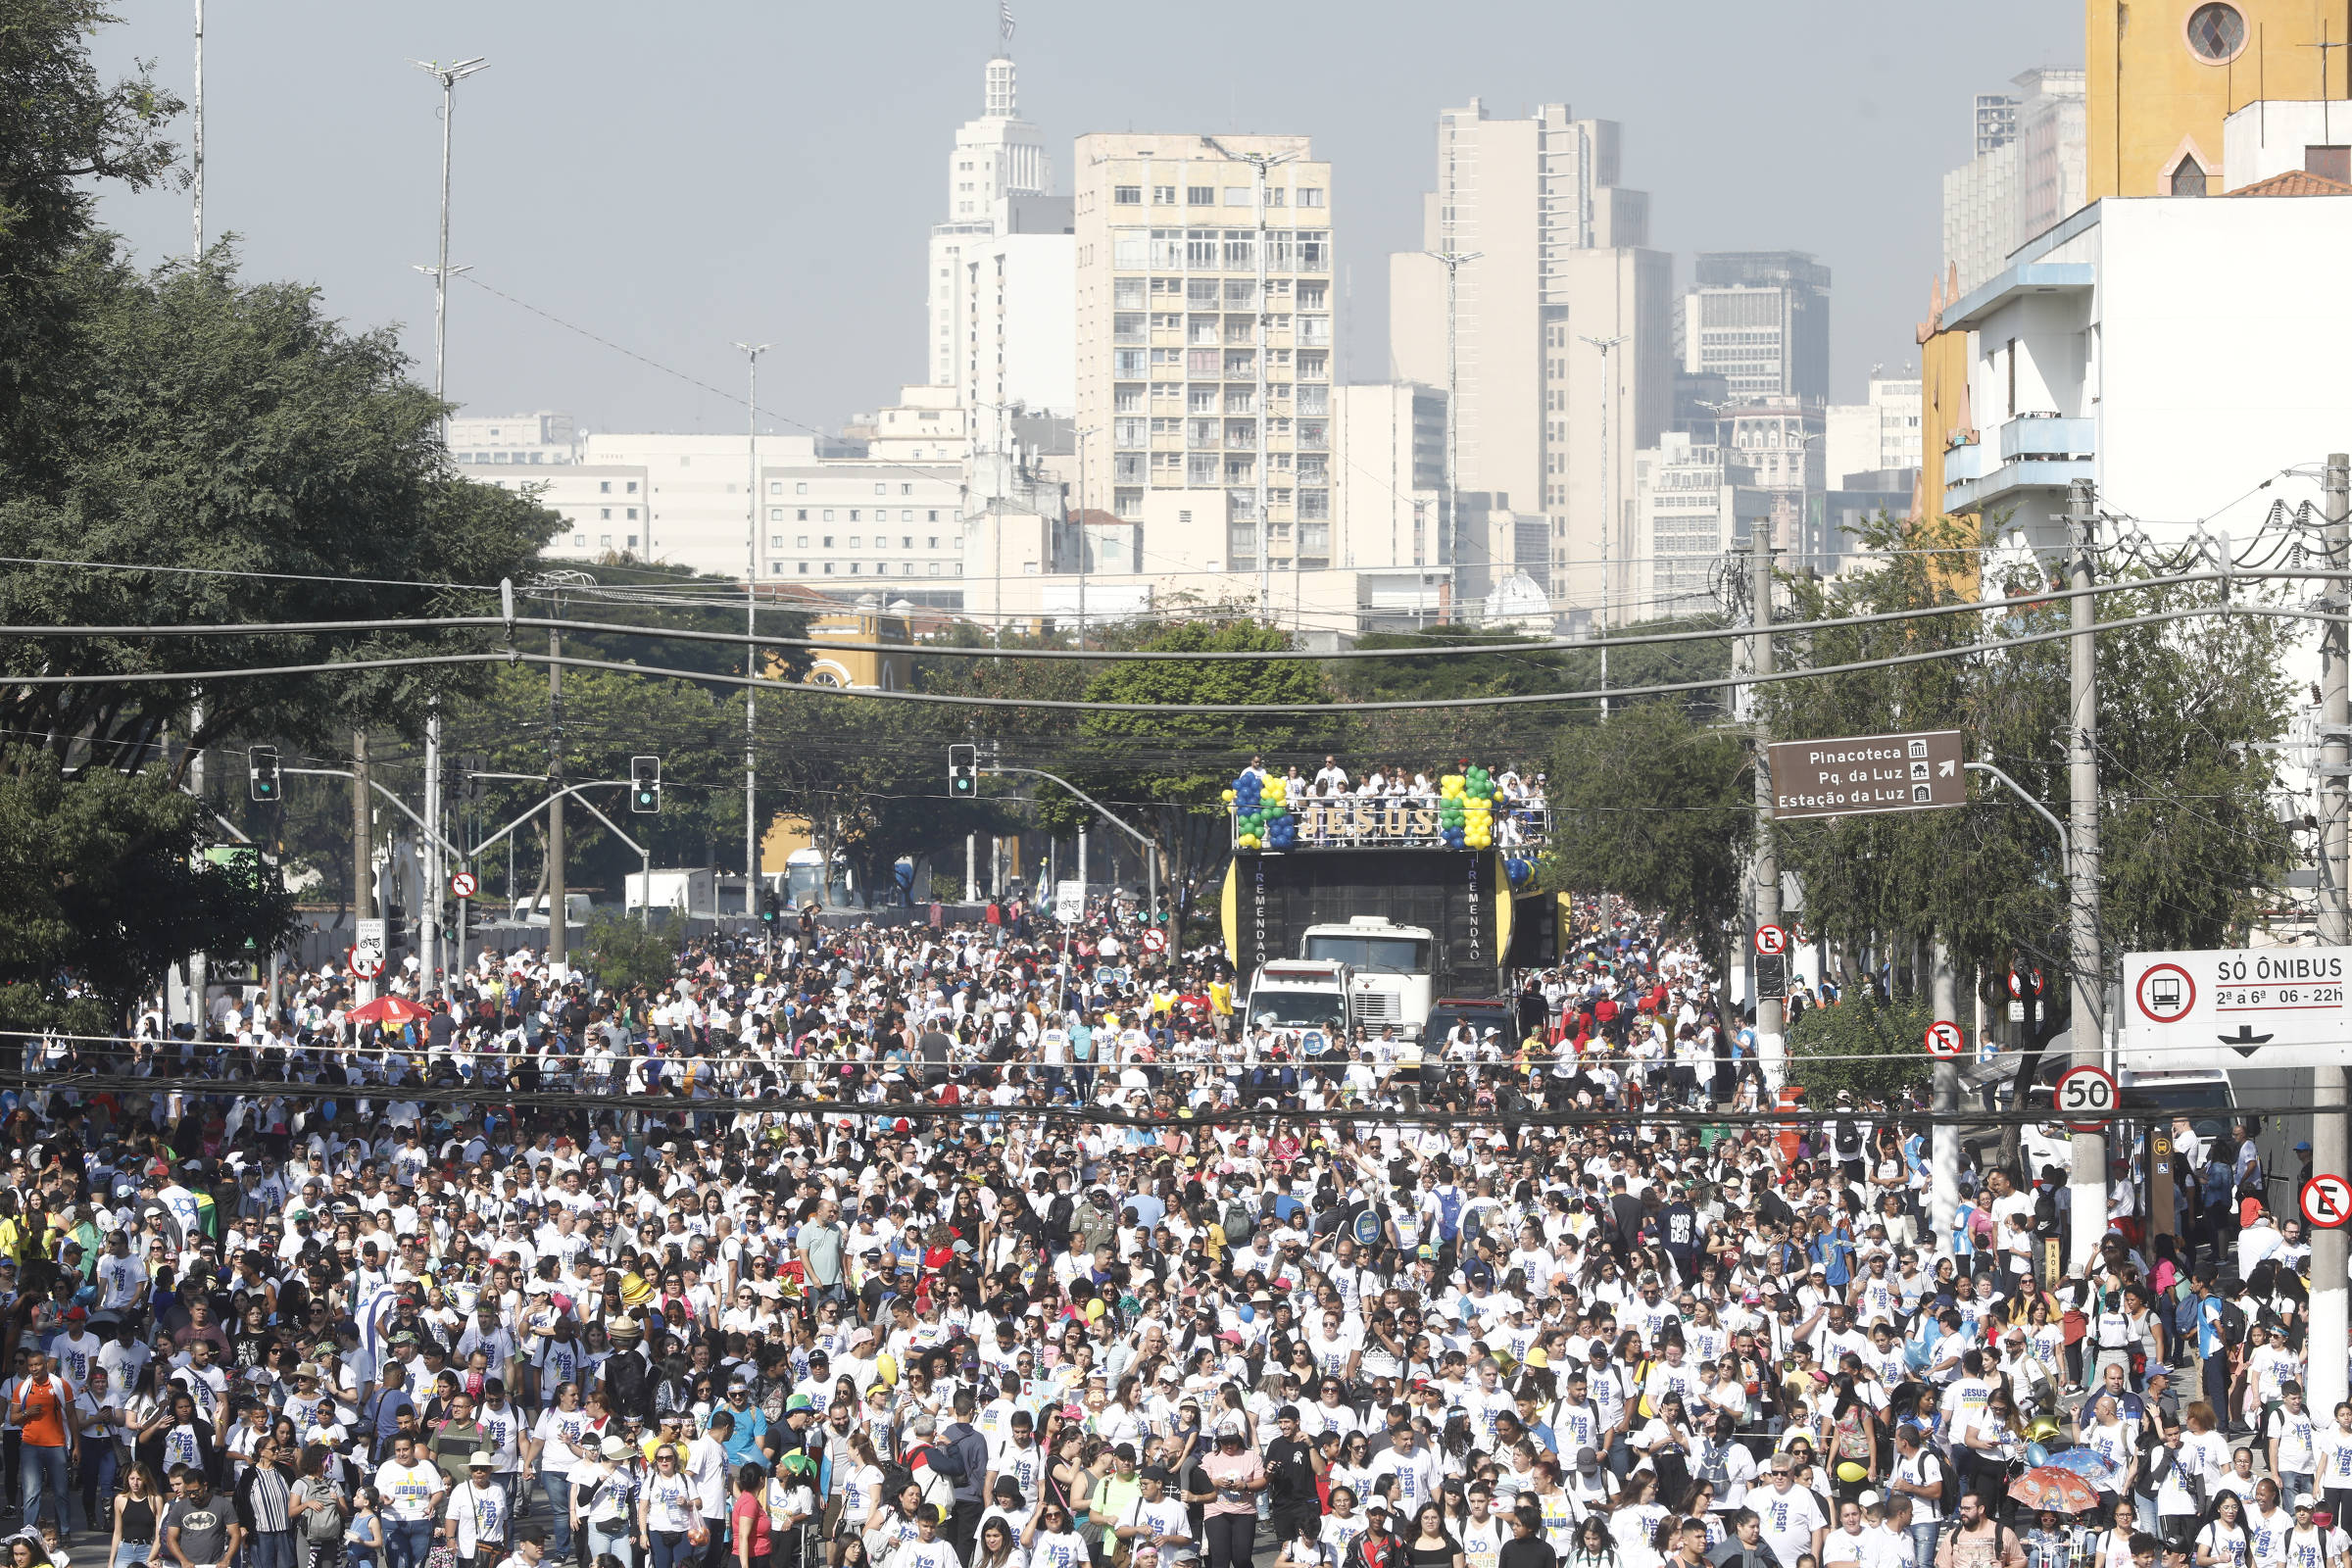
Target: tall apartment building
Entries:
(1760, 319)
(1561, 261)
(1390, 441)
(999, 158)
(2030, 170)
(1191, 375)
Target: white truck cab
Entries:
(1392, 979)
(1302, 994)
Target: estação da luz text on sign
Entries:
(1850, 774)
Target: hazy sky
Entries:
(674, 177)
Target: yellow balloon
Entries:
(1229, 797)
(1850, 1472)
(1094, 1310)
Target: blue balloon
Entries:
(2037, 1454)
(1249, 1313)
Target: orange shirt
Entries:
(41, 1409)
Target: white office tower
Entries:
(1000, 286)
(2030, 168)
(1561, 266)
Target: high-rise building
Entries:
(2025, 177)
(1559, 267)
(1204, 334)
(999, 158)
(1760, 319)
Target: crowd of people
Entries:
(940, 1249)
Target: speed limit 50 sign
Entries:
(2087, 1098)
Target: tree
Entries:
(1656, 807)
(2188, 831)
(277, 469)
(1179, 764)
(106, 886)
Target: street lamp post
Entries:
(1451, 528)
(1608, 509)
(751, 626)
(448, 77)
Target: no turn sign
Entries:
(1946, 1042)
(464, 884)
(1772, 940)
(367, 962)
(2086, 1098)
(2327, 1201)
(1153, 942)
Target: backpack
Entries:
(1239, 1223)
(1449, 1215)
(2231, 1319)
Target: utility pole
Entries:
(1082, 535)
(1258, 164)
(1608, 510)
(555, 902)
(750, 628)
(363, 853)
(1943, 1184)
(1769, 1046)
(2330, 1139)
(1450, 525)
(448, 77)
(433, 869)
(196, 143)
(2087, 1183)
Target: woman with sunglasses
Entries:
(668, 1509)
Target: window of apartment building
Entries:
(905, 490)
(1127, 293)
(935, 569)
(1127, 195)
(580, 541)
(1315, 296)
(932, 516)
(775, 487)
(1130, 249)
(1237, 196)
(604, 541)
(1163, 195)
(798, 489)
(1127, 400)
(604, 487)
(1201, 329)
(1311, 196)
(906, 542)
(931, 543)
(604, 514)
(776, 513)
(828, 569)
(853, 541)
(1201, 195)
(804, 568)
(1203, 399)
(828, 542)
(800, 541)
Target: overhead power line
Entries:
(958, 699)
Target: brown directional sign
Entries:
(1851, 774)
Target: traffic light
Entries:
(964, 771)
(770, 907)
(261, 765)
(645, 785)
(469, 787)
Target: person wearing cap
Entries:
(1235, 1476)
(479, 1515)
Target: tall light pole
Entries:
(751, 626)
(196, 143)
(448, 77)
(1082, 536)
(1450, 523)
(1258, 164)
(1608, 507)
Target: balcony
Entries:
(2040, 436)
(2034, 452)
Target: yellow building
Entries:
(2161, 76)
(871, 668)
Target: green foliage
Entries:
(1655, 807)
(105, 889)
(623, 952)
(236, 428)
(1891, 1040)
(2187, 835)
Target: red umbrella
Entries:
(2048, 1487)
(388, 1009)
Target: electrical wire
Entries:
(1294, 710)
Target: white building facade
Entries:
(2030, 168)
